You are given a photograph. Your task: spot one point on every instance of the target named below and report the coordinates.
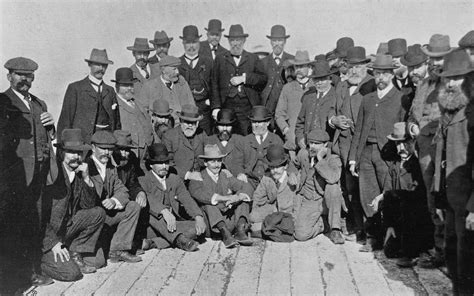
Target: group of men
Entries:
(227, 144)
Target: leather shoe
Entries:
(369, 245)
(227, 238)
(117, 256)
(241, 235)
(404, 262)
(41, 280)
(336, 237)
(77, 258)
(186, 244)
(148, 244)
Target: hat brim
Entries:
(278, 37)
(161, 41)
(377, 67)
(140, 49)
(277, 163)
(393, 138)
(426, 51)
(237, 36)
(186, 118)
(105, 146)
(170, 111)
(412, 64)
(194, 39)
(168, 160)
(170, 65)
(107, 62)
(118, 146)
(79, 148)
(292, 62)
(453, 72)
(227, 122)
(214, 30)
(213, 157)
(323, 75)
(267, 118)
(125, 81)
(359, 61)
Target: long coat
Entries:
(272, 90)
(225, 68)
(234, 160)
(80, 107)
(205, 50)
(141, 79)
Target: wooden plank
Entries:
(246, 273)
(91, 282)
(275, 272)
(434, 281)
(306, 276)
(57, 288)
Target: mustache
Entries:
(75, 161)
(24, 83)
(99, 71)
(143, 60)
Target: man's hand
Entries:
(285, 130)
(227, 173)
(60, 252)
(302, 143)
(196, 176)
(141, 199)
(214, 113)
(242, 177)
(440, 214)
(108, 203)
(375, 203)
(341, 122)
(352, 169)
(322, 153)
(232, 199)
(390, 233)
(470, 222)
(292, 179)
(200, 225)
(170, 220)
(237, 80)
(46, 119)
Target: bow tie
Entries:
(191, 59)
(169, 84)
(96, 84)
(214, 48)
(277, 59)
(237, 56)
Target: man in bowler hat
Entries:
(211, 47)
(161, 119)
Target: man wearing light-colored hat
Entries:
(141, 68)
(211, 47)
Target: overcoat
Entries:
(205, 50)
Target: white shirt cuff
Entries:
(247, 198)
(330, 123)
(213, 199)
(351, 162)
(245, 78)
(118, 205)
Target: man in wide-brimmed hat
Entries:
(317, 104)
(379, 111)
(90, 104)
(336, 59)
(238, 76)
(211, 47)
(168, 197)
(224, 198)
(161, 42)
(273, 64)
(196, 69)
(141, 68)
(161, 119)
(73, 206)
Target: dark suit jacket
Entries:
(408, 90)
(141, 79)
(203, 69)
(80, 108)
(234, 161)
(271, 92)
(205, 50)
(129, 173)
(225, 68)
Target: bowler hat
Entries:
(438, 46)
(278, 31)
(99, 56)
(190, 34)
(383, 62)
(320, 57)
(140, 44)
(157, 153)
(161, 38)
(397, 47)
(356, 55)
(21, 65)
(414, 56)
(342, 45)
(383, 48)
(236, 31)
(225, 117)
(276, 155)
(71, 139)
(399, 132)
(456, 63)
(214, 26)
(169, 61)
(212, 151)
(317, 136)
(104, 139)
(124, 76)
(260, 113)
(161, 108)
(189, 113)
(301, 58)
(467, 40)
(124, 139)
(321, 69)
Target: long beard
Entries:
(452, 99)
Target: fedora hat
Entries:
(397, 47)
(414, 56)
(260, 113)
(99, 56)
(317, 136)
(124, 139)
(399, 132)
(456, 63)
(189, 113)
(124, 76)
(157, 153)
(383, 48)
(278, 31)
(342, 45)
(301, 58)
(190, 34)
(169, 61)
(383, 62)
(71, 139)
(321, 69)
(214, 26)
(21, 65)
(467, 41)
(104, 139)
(225, 117)
(161, 38)
(161, 108)
(276, 155)
(140, 44)
(320, 57)
(236, 31)
(438, 46)
(212, 151)
(356, 55)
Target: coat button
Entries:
(376, 105)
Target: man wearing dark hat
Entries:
(196, 70)
(161, 42)
(273, 64)
(185, 143)
(336, 59)
(133, 115)
(172, 209)
(317, 103)
(74, 210)
(225, 199)
(319, 182)
(211, 47)
(90, 104)
(27, 159)
(113, 196)
(141, 68)
(397, 48)
(161, 119)
(467, 43)
(237, 79)
(453, 167)
(378, 112)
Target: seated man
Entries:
(161, 119)
(171, 207)
(113, 196)
(75, 220)
(274, 193)
(225, 199)
(405, 208)
(320, 174)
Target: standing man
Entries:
(141, 69)
(161, 119)
(211, 47)
(90, 104)
(162, 44)
(196, 70)
(397, 48)
(273, 65)
(237, 79)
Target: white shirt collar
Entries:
(22, 98)
(277, 56)
(324, 93)
(95, 80)
(214, 177)
(162, 180)
(100, 167)
(263, 137)
(125, 101)
(70, 174)
(382, 93)
(143, 71)
(283, 178)
(164, 81)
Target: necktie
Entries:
(214, 48)
(236, 56)
(260, 139)
(99, 86)
(168, 84)
(147, 74)
(277, 60)
(191, 61)
(27, 98)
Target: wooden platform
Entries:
(316, 267)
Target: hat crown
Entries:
(190, 32)
(439, 43)
(161, 38)
(260, 113)
(457, 62)
(399, 131)
(321, 69)
(278, 31)
(276, 153)
(124, 138)
(383, 48)
(140, 44)
(124, 75)
(302, 57)
(318, 136)
(189, 111)
(236, 31)
(157, 152)
(21, 64)
(467, 40)
(73, 135)
(103, 138)
(356, 54)
(214, 25)
(383, 61)
(225, 116)
(169, 61)
(161, 107)
(414, 56)
(99, 56)
(397, 47)
(212, 151)
(342, 45)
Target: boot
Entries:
(77, 258)
(241, 235)
(227, 239)
(186, 244)
(336, 237)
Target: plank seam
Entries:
(172, 274)
(261, 264)
(120, 264)
(350, 270)
(144, 269)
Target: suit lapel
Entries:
(460, 116)
(137, 74)
(244, 58)
(16, 101)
